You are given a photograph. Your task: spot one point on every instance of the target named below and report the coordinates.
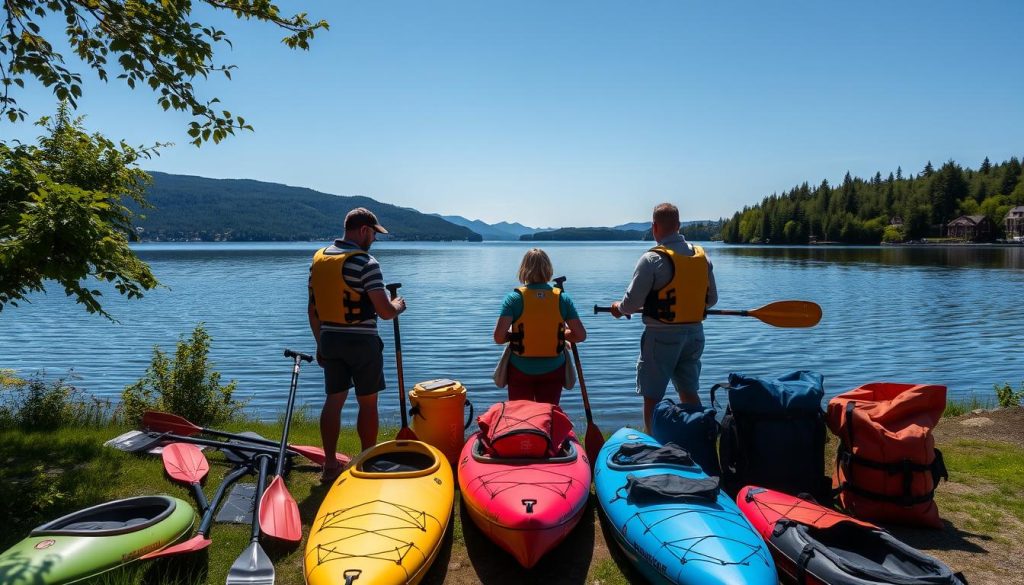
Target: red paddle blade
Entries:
(197, 542)
(185, 462)
(316, 454)
(279, 514)
(169, 423)
(406, 434)
(592, 443)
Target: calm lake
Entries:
(950, 316)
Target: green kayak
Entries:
(86, 543)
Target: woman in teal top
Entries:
(537, 319)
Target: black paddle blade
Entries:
(137, 441)
(252, 567)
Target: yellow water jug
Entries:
(437, 407)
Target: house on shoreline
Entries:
(1014, 223)
(974, 228)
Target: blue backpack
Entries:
(692, 427)
(773, 434)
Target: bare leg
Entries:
(649, 404)
(367, 421)
(330, 426)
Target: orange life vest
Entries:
(540, 329)
(684, 298)
(887, 467)
(336, 302)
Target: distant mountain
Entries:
(586, 234)
(197, 208)
(499, 231)
(640, 226)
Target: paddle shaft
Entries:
(598, 309)
(393, 289)
(175, 438)
(560, 283)
(207, 521)
(261, 484)
(296, 359)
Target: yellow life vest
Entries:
(336, 302)
(540, 330)
(684, 298)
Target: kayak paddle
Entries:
(186, 463)
(202, 538)
(279, 514)
(404, 433)
(167, 422)
(791, 314)
(253, 566)
(146, 441)
(593, 440)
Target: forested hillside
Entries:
(189, 208)
(893, 208)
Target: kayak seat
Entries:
(101, 525)
(397, 462)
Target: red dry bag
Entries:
(887, 467)
(523, 429)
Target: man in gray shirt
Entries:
(673, 284)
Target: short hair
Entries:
(536, 267)
(361, 216)
(666, 216)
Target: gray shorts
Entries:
(670, 355)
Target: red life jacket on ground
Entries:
(524, 429)
(887, 467)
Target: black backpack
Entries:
(773, 434)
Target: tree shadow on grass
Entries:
(567, 563)
(42, 479)
(947, 539)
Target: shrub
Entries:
(1007, 396)
(183, 384)
(38, 405)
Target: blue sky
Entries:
(589, 113)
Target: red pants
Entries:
(536, 387)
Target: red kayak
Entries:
(525, 505)
(815, 545)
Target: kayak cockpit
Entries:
(111, 518)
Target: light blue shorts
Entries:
(670, 355)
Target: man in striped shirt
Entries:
(346, 295)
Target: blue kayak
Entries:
(671, 519)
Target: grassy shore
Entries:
(44, 475)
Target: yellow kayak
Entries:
(384, 518)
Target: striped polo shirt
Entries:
(362, 273)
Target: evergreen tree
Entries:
(986, 166)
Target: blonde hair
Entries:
(536, 267)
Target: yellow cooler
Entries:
(437, 410)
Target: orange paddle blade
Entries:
(592, 443)
(789, 314)
(279, 514)
(197, 542)
(185, 462)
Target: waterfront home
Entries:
(971, 227)
(1014, 223)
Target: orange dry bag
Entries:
(887, 467)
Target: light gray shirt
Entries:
(653, 271)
